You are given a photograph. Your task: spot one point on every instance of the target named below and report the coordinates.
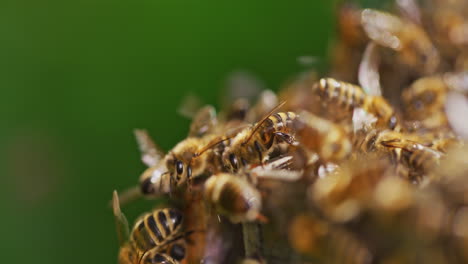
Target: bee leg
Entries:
(121, 222)
(285, 137)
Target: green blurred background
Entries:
(77, 76)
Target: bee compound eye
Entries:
(233, 160)
(147, 186)
(177, 252)
(179, 167)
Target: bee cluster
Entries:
(325, 171)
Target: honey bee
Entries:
(402, 149)
(253, 144)
(329, 140)
(414, 47)
(181, 163)
(424, 102)
(349, 96)
(233, 196)
(418, 158)
(152, 237)
(371, 141)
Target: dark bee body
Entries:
(233, 196)
(253, 144)
(349, 97)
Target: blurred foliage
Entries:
(77, 76)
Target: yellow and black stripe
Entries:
(279, 123)
(349, 96)
(345, 94)
(156, 228)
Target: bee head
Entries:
(177, 167)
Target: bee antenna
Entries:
(257, 126)
(211, 145)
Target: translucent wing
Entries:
(410, 9)
(203, 122)
(121, 222)
(369, 77)
(242, 84)
(277, 170)
(382, 28)
(189, 106)
(457, 81)
(456, 108)
(151, 154)
(265, 103)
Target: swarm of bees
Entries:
(367, 164)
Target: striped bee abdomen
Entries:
(156, 228)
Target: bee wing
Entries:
(265, 103)
(151, 154)
(121, 223)
(242, 88)
(456, 108)
(189, 106)
(362, 120)
(369, 77)
(203, 122)
(457, 81)
(277, 170)
(410, 9)
(382, 28)
(242, 84)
